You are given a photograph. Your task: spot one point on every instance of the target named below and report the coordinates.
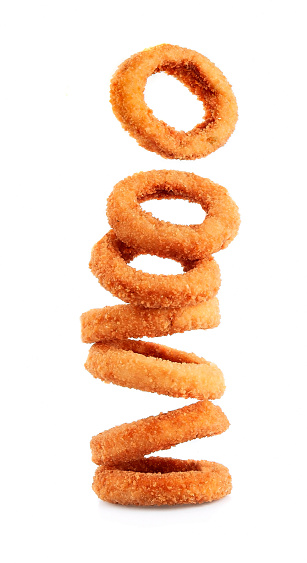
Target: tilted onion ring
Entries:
(109, 258)
(202, 78)
(130, 321)
(152, 367)
(141, 230)
(137, 439)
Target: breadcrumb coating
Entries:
(155, 368)
(139, 229)
(200, 76)
(130, 321)
(109, 263)
(159, 481)
(148, 435)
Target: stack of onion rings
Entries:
(161, 305)
(152, 367)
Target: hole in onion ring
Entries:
(166, 97)
(157, 464)
(175, 210)
(162, 470)
(156, 265)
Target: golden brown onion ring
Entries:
(137, 439)
(141, 230)
(130, 321)
(162, 481)
(109, 263)
(152, 367)
(202, 78)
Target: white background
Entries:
(62, 152)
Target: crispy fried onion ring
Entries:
(141, 230)
(137, 439)
(129, 321)
(155, 368)
(158, 481)
(200, 76)
(109, 263)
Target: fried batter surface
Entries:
(202, 78)
(139, 229)
(130, 321)
(155, 368)
(162, 481)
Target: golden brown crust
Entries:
(137, 439)
(109, 263)
(141, 230)
(202, 78)
(130, 321)
(158, 369)
(162, 481)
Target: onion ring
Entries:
(137, 439)
(162, 481)
(155, 368)
(141, 230)
(129, 321)
(202, 78)
(109, 259)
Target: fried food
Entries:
(200, 76)
(130, 321)
(139, 229)
(161, 305)
(155, 368)
(109, 263)
(159, 481)
(137, 439)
